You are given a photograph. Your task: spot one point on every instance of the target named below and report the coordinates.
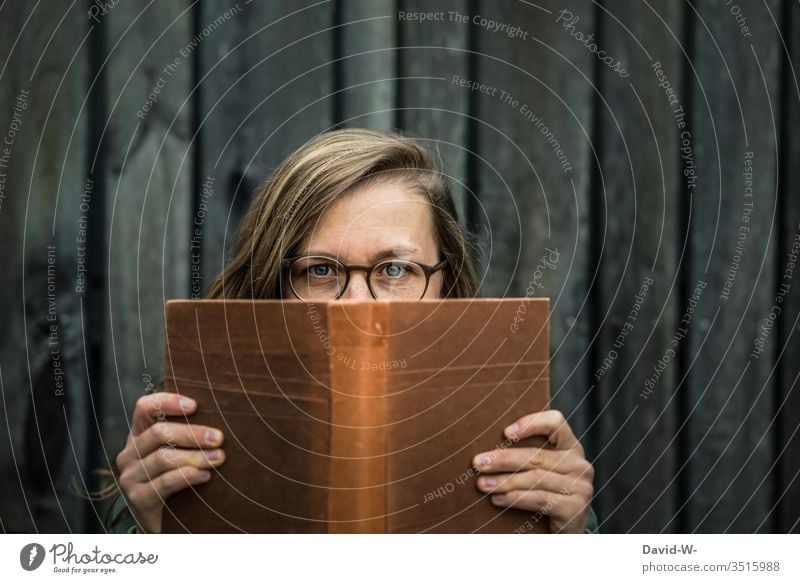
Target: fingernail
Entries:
(186, 403)
(214, 454)
(484, 461)
(498, 499)
(488, 482)
(213, 436)
(512, 429)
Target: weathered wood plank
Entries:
(369, 65)
(147, 183)
(638, 296)
(431, 109)
(266, 87)
(221, 107)
(787, 508)
(533, 167)
(43, 442)
(731, 393)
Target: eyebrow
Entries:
(380, 255)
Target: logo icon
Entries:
(31, 556)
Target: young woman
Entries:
(351, 197)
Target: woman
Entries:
(356, 197)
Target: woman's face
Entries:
(383, 220)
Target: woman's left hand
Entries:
(555, 481)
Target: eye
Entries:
(316, 268)
(321, 270)
(397, 269)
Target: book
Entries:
(355, 416)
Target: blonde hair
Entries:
(291, 201)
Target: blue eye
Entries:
(395, 269)
(321, 270)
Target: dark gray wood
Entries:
(45, 405)
(220, 99)
(729, 484)
(148, 196)
(639, 291)
(430, 109)
(369, 71)
(711, 446)
(787, 509)
(528, 202)
(266, 84)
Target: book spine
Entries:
(357, 494)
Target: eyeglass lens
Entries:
(323, 278)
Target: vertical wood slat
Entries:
(147, 182)
(787, 490)
(638, 144)
(369, 53)
(15, 516)
(44, 439)
(432, 107)
(731, 394)
(221, 103)
(265, 88)
(529, 200)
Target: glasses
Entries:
(317, 277)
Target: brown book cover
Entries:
(355, 416)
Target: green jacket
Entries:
(122, 521)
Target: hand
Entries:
(161, 457)
(555, 480)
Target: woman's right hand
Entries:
(162, 457)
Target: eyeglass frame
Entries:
(428, 270)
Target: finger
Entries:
(565, 484)
(517, 459)
(170, 434)
(534, 500)
(549, 423)
(178, 434)
(155, 406)
(149, 495)
(566, 513)
(165, 459)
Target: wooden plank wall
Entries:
(786, 505)
(147, 181)
(45, 407)
(533, 209)
(638, 294)
(621, 193)
(729, 394)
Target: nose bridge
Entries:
(357, 287)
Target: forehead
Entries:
(371, 219)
